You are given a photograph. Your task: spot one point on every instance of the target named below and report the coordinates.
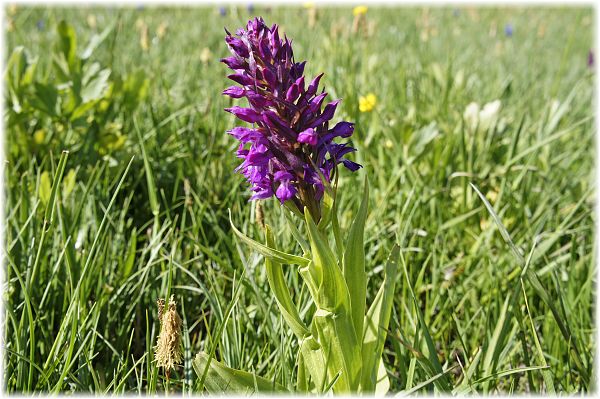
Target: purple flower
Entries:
(289, 151)
(590, 59)
(308, 136)
(508, 30)
(222, 11)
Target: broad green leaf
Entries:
(376, 324)
(68, 43)
(222, 379)
(15, 67)
(95, 86)
(354, 264)
(95, 41)
(382, 385)
(340, 349)
(333, 292)
(46, 99)
(333, 319)
(302, 377)
(313, 361)
(271, 253)
(422, 138)
(282, 294)
(20, 69)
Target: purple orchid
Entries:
(289, 150)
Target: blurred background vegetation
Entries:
(138, 208)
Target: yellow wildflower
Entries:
(359, 10)
(39, 136)
(309, 5)
(367, 103)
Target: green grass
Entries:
(492, 297)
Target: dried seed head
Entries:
(168, 348)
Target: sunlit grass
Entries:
(140, 210)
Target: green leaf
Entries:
(152, 190)
(376, 325)
(354, 264)
(46, 99)
(62, 163)
(463, 389)
(533, 279)
(333, 318)
(281, 291)
(422, 138)
(15, 67)
(135, 89)
(271, 253)
(327, 203)
(45, 188)
(68, 43)
(130, 259)
(95, 83)
(333, 293)
(81, 109)
(382, 385)
(443, 383)
(222, 379)
(20, 69)
(302, 377)
(69, 183)
(296, 233)
(95, 41)
(313, 361)
(546, 374)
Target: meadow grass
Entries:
(496, 227)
